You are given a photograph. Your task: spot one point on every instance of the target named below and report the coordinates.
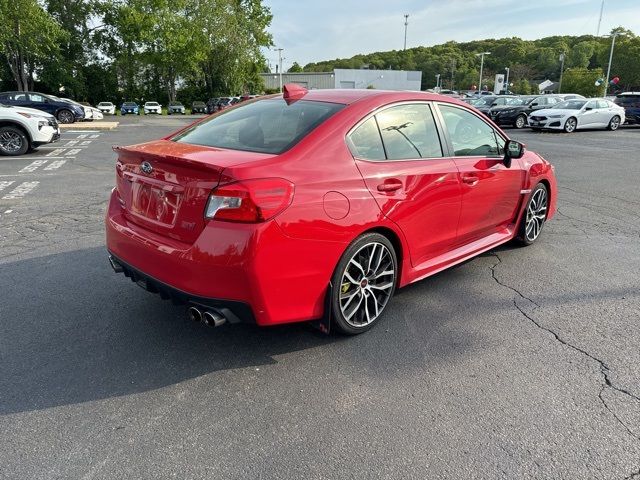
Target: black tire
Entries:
(65, 116)
(570, 125)
(614, 123)
(521, 121)
(13, 141)
(533, 211)
(375, 286)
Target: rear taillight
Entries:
(250, 201)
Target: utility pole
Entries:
(481, 55)
(506, 83)
(453, 72)
(406, 22)
(600, 19)
(437, 82)
(280, 65)
(561, 71)
(613, 43)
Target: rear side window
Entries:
(266, 126)
(409, 131)
(365, 141)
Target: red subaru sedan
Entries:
(317, 205)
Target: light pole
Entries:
(280, 65)
(437, 82)
(481, 55)
(613, 43)
(561, 72)
(600, 18)
(406, 22)
(506, 83)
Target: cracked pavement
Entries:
(522, 363)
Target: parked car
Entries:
(630, 101)
(107, 108)
(129, 108)
(486, 103)
(152, 107)
(23, 129)
(569, 96)
(64, 111)
(572, 115)
(259, 215)
(515, 112)
(88, 111)
(223, 102)
(175, 107)
(198, 107)
(211, 104)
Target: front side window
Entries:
(470, 135)
(603, 104)
(266, 126)
(409, 131)
(592, 104)
(34, 97)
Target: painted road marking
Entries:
(57, 151)
(71, 143)
(21, 190)
(55, 165)
(94, 136)
(5, 184)
(37, 158)
(8, 211)
(82, 131)
(73, 152)
(86, 142)
(33, 166)
(82, 136)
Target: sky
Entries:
(314, 30)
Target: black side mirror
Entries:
(534, 104)
(512, 149)
(587, 109)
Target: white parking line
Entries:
(81, 131)
(94, 136)
(57, 151)
(33, 166)
(71, 143)
(86, 142)
(38, 158)
(5, 184)
(82, 136)
(73, 152)
(21, 190)
(55, 165)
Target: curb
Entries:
(89, 126)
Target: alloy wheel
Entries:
(366, 285)
(65, 116)
(536, 214)
(10, 142)
(570, 125)
(614, 123)
(520, 121)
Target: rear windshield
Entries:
(266, 126)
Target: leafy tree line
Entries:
(112, 50)
(530, 62)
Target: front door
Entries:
(490, 190)
(400, 156)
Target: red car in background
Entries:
(317, 205)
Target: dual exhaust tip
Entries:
(211, 318)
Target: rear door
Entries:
(490, 190)
(401, 158)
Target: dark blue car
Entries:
(131, 108)
(630, 101)
(64, 111)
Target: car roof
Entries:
(348, 96)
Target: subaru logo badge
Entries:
(146, 167)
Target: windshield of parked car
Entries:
(104, 104)
(483, 101)
(517, 102)
(174, 104)
(129, 104)
(266, 126)
(198, 103)
(152, 104)
(570, 104)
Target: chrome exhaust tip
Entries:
(194, 314)
(213, 318)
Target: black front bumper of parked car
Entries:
(504, 118)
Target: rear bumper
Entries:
(233, 311)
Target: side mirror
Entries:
(534, 104)
(587, 109)
(512, 149)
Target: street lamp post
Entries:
(561, 71)
(437, 82)
(506, 83)
(280, 65)
(406, 22)
(481, 55)
(613, 43)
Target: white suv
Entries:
(23, 129)
(152, 107)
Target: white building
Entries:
(349, 78)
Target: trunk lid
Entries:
(164, 186)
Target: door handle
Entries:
(470, 179)
(390, 185)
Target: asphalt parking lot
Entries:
(522, 363)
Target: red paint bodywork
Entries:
(281, 268)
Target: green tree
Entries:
(583, 81)
(295, 68)
(28, 36)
